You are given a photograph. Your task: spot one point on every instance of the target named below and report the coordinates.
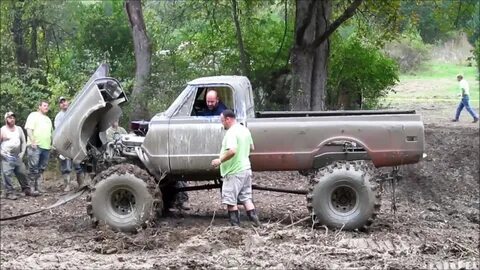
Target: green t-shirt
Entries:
(239, 138)
(42, 129)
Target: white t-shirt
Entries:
(59, 119)
(464, 88)
(11, 142)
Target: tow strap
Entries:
(64, 199)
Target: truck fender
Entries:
(324, 158)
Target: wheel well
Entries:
(340, 148)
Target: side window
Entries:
(225, 97)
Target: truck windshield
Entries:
(179, 100)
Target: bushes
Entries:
(476, 54)
(408, 51)
(360, 74)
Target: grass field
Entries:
(436, 81)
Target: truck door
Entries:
(194, 140)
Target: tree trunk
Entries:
(311, 51)
(245, 67)
(143, 54)
(33, 44)
(309, 63)
(21, 52)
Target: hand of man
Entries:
(216, 162)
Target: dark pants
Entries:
(37, 162)
(181, 196)
(15, 167)
(465, 103)
(66, 166)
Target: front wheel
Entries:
(343, 195)
(125, 198)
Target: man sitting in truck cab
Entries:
(214, 105)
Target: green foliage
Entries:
(439, 20)
(476, 53)
(409, 51)
(359, 74)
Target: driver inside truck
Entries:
(214, 106)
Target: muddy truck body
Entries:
(134, 177)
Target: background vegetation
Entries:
(50, 48)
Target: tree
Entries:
(310, 51)
(143, 54)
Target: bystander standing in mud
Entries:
(465, 101)
(235, 169)
(39, 141)
(12, 150)
(66, 164)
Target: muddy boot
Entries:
(80, 180)
(31, 193)
(66, 182)
(11, 196)
(252, 216)
(37, 183)
(234, 218)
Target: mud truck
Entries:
(133, 177)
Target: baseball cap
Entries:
(8, 114)
(61, 98)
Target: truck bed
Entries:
(274, 114)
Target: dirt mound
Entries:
(436, 226)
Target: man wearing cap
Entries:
(465, 102)
(66, 163)
(39, 141)
(12, 150)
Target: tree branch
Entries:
(347, 14)
(285, 18)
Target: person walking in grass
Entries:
(465, 102)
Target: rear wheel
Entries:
(125, 198)
(344, 195)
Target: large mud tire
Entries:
(344, 195)
(125, 198)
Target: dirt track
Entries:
(436, 225)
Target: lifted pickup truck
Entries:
(332, 147)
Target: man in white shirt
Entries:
(66, 164)
(465, 102)
(12, 150)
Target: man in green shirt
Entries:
(235, 169)
(39, 141)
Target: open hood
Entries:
(89, 115)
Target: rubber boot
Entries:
(80, 180)
(252, 216)
(37, 184)
(234, 218)
(66, 182)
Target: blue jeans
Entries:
(37, 162)
(11, 167)
(465, 103)
(66, 166)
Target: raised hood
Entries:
(89, 116)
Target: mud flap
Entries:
(64, 199)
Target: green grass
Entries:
(439, 70)
(436, 81)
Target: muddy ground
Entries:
(436, 225)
